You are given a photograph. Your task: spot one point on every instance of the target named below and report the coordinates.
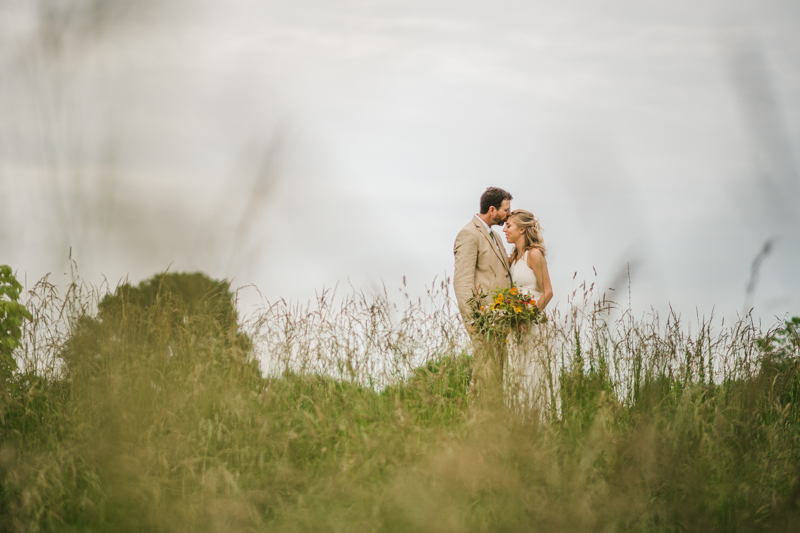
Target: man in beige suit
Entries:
(481, 266)
(481, 259)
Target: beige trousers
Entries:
(489, 360)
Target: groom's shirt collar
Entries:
(485, 225)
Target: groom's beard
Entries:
(498, 221)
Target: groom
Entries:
(481, 259)
(481, 266)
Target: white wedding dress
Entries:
(530, 379)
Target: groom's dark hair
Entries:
(493, 196)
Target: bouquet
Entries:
(509, 311)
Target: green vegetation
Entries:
(156, 408)
(12, 313)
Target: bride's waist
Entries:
(530, 292)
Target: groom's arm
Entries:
(466, 255)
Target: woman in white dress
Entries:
(530, 378)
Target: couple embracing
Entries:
(524, 367)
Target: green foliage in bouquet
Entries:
(509, 311)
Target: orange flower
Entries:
(514, 291)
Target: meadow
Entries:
(157, 407)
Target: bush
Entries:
(12, 314)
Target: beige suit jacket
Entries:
(480, 265)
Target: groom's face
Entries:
(499, 216)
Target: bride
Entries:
(530, 379)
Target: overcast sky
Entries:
(295, 145)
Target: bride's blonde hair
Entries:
(530, 227)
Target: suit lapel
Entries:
(495, 245)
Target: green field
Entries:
(157, 407)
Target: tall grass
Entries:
(144, 409)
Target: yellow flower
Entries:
(517, 309)
(499, 298)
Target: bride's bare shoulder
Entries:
(535, 256)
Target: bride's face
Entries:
(512, 231)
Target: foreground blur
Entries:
(154, 408)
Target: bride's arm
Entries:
(538, 264)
